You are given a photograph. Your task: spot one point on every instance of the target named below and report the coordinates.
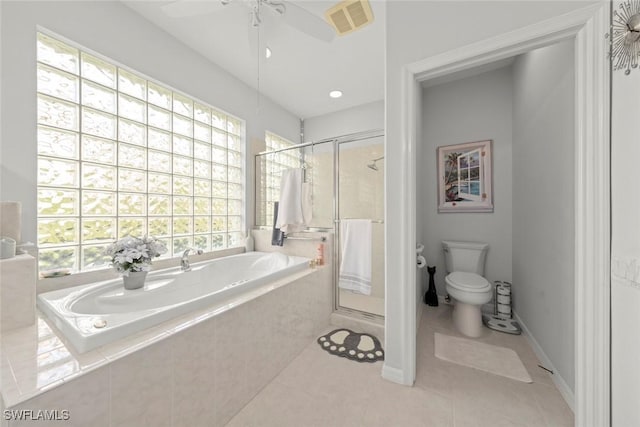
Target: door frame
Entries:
(587, 26)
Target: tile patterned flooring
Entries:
(318, 389)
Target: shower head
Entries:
(373, 165)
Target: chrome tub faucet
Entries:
(184, 262)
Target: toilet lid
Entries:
(469, 282)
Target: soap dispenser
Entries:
(320, 254)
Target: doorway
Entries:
(591, 197)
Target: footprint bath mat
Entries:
(352, 345)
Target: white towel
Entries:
(355, 268)
(307, 206)
(290, 209)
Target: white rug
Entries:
(486, 357)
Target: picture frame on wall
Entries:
(465, 177)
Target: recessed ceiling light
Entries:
(267, 53)
(335, 93)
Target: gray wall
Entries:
(351, 120)
(543, 210)
(472, 109)
(625, 250)
(113, 30)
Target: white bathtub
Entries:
(96, 314)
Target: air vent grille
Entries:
(349, 15)
(357, 14)
(339, 19)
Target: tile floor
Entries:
(318, 389)
(366, 303)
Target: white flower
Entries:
(134, 254)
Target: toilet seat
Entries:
(467, 282)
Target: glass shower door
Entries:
(360, 196)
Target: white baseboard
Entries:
(565, 390)
(394, 375)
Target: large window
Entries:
(119, 154)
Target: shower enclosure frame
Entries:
(335, 141)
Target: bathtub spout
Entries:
(184, 262)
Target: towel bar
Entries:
(375, 221)
(321, 238)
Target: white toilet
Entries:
(465, 284)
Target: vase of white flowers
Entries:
(134, 279)
(132, 256)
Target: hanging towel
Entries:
(307, 206)
(355, 268)
(290, 214)
(277, 236)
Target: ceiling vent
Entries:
(349, 15)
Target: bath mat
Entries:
(352, 345)
(486, 357)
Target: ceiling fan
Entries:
(292, 14)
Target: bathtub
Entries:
(98, 313)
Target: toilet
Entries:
(465, 284)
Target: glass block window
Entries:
(119, 154)
(274, 165)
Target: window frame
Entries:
(273, 170)
(462, 183)
(239, 152)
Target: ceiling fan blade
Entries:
(185, 8)
(305, 21)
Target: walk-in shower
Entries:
(342, 190)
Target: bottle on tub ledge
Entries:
(320, 254)
(248, 242)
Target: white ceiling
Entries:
(301, 71)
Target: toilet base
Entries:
(467, 319)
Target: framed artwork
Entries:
(464, 177)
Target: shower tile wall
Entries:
(321, 160)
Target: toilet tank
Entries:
(465, 256)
